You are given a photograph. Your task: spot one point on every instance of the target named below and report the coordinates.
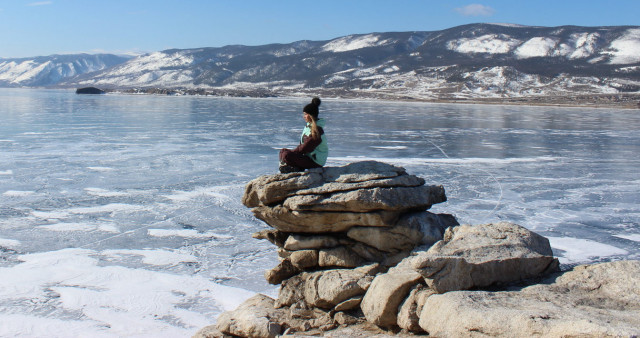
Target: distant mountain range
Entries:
(470, 61)
(50, 71)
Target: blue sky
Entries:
(45, 27)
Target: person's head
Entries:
(312, 109)
(310, 113)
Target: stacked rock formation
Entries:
(359, 250)
(345, 217)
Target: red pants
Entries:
(297, 160)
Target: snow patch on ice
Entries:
(631, 237)
(64, 227)
(104, 193)
(215, 191)
(9, 243)
(579, 250)
(100, 169)
(154, 257)
(17, 193)
(390, 147)
(109, 300)
(22, 325)
(187, 233)
(50, 214)
(108, 208)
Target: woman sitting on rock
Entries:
(313, 149)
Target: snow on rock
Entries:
(585, 45)
(43, 71)
(353, 42)
(536, 47)
(490, 43)
(19, 72)
(154, 61)
(626, 49)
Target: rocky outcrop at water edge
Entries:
(361, 255)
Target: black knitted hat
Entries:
(312, 108)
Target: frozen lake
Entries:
(120, 215)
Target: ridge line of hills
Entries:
(480, 62)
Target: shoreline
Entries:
(626, 101)
(630, 101)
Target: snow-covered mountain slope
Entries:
(476, 60)
(50, 70)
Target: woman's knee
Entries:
(284, 153)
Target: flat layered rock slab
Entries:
(273, 189)
(601, 300)
(482, 255)
(286, 220)
(366, 200)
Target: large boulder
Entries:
(387, 291)
(411, 230)
(410, 309)
(482, 255)
(601, 300)
(326, 289)
(270, 189)
(256, 317)
(284, 270)
(339, 257)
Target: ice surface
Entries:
(71, 294)
(122, 215)
(9, 243)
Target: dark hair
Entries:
(312, 108)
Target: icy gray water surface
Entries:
(122, 175)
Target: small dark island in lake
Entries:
(89, 90)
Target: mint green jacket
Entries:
(321, 152)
